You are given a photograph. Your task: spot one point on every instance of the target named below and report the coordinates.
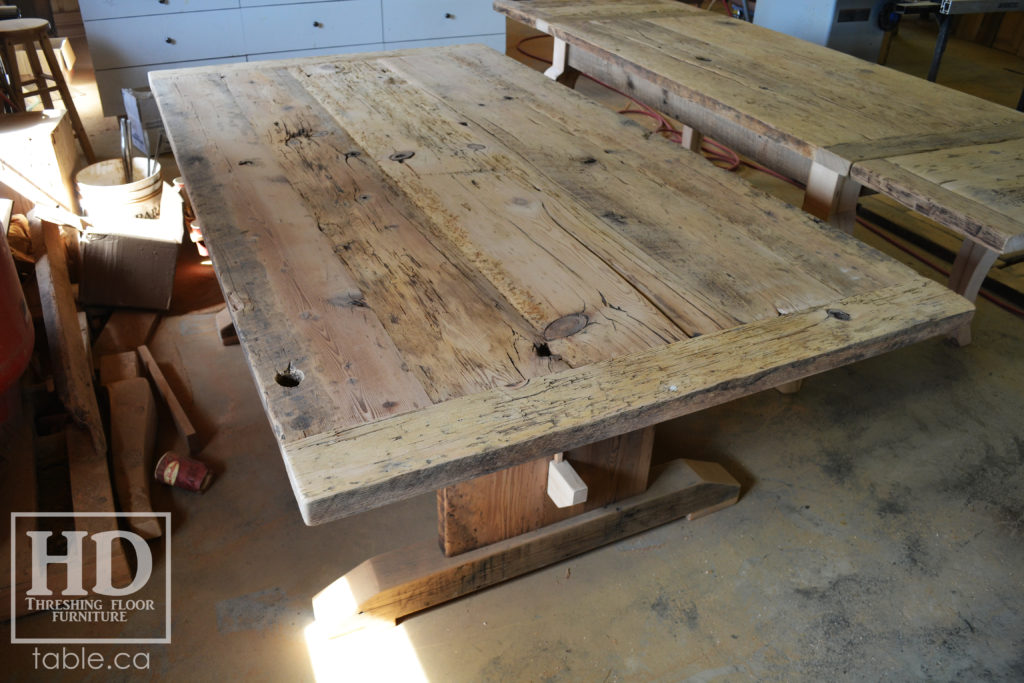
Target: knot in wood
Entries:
(400, 157)
(566, 326)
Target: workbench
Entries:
(445, 269)
(814, 114)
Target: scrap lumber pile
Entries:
(81, 431)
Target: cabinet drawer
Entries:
(421, 19)
(114, 9)
(110, 81)
(137, 41)
(318, 52)
(311, 25)
(260, 3)
(495, 41)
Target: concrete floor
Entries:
(880, 537)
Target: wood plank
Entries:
(132, 437)
(926, 142)
(529, 259)
(474, 435)
(760, 77)
(399, 583)
(181, 421)
(304, 310)
(426, 296)
(728, 272)
(949, 207)
(91, 492)
(514, 501)
(71, 367)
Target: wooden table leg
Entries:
(832, 197)
(396, 584)
(969, 270)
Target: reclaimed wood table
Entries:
(815, 114)
(444, 269)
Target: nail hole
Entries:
(289, 377)
(838, 314)
(400, 157)
(543, 350)
(703, 59)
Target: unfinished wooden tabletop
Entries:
(441, 264)
(978, 189)
(817, 102)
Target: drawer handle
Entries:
(164, 2)
(318, 24)
(171, 41)
(449, 15)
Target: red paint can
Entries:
(182, 471)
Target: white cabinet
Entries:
(130, 38)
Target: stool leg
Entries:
(38, 77)
(11, 62)
(69, 104)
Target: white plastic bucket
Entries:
(105, 195)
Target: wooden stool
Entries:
(31, 33)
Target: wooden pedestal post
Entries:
(502, 525)
(513, 501)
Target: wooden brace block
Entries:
(558, 59)
(565, 487)
(692, 139)
(396, 584)
(125, 331)
(226, 328)
(132, 437)
(181, 421)
(115, 367)
(790, 387)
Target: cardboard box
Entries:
(146, 125)
(38, 157)
(61, 49)
(131, 262)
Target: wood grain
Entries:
(441, 264)
(779, 100)
(483, 433)
(513, 501)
